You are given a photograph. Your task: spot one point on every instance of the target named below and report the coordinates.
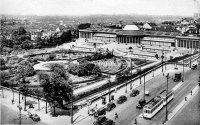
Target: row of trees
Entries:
(21, 39)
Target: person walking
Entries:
(116, 116)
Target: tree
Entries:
(25, 69)
(56, 85)
(21, 31)
(2, 64)
(27, 44)
(4, 75)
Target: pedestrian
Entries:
(135, 121)
(116, 116)
(12, 101)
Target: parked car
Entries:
(194, 67)
(110, 106)
(100, 111)
(121, 99)
(134, 92)
(177, 77)
(35, 117)
(108, 122)
(92, 111)
(100, 120)
(141, 103)
(147, 92)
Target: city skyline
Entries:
(91, 7)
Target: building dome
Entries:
(131, 27)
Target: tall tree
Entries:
(56, 85)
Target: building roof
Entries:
(152, 24)
(131, 33)
(172, 40)
(188, 37)
(104, 35)
(108, 30)
(131, 27)
(160, 33)
(101, 30)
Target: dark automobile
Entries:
(177, 77)
(34, 117)
(134, 92)
(121, 99)
(100, 111)
(194, 67)
(100, 120)
(141, 103)
(110, 106)
(108, 122)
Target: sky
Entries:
(90, 7)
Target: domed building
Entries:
(131, 34)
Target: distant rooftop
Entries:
(131, 27)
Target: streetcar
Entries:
(157, 103)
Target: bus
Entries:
(157, 103)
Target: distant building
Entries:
(166, 37)
(159, 39)
(102, 34)
(189, 42)
(149, 26)
(196, 16)
(131, 34)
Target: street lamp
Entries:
(140, 75)
(165, 61)
(166, 96)
(20, 118)
(109, 82)
(72, 106)
(183, 69)
(144, 85)
(162, 60)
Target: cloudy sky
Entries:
(87, 7)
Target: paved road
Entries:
(127, 111)
(190, 82)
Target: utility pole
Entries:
(144, 85)
(109, 89)
(140, 75)
(166, 97)
(131, 67)
(72, 107)
(190, 58)
(183, 70)
(165, 61)
(162, 60)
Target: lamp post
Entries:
(140, 75)
(166, 96)
(190, 58)
(162, 60)
(165, 61)
(72, 106)
(20, 117)
(144, 85)
(183, 70)
(109, 81)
